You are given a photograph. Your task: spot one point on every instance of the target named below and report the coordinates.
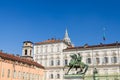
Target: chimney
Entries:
(18, 55)
(1, 50)
(86, 45)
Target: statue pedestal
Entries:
(73, 77)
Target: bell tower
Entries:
(27, 50)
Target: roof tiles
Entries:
(94, 46)
(49, 41)
(19, 59)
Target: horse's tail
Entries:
(65, 67)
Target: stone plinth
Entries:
(73, 77)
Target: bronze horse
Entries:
(76, 63)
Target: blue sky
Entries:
(38, 20)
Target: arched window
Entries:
(25, 51)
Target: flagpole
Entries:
(104, 37)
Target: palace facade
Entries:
(54, 54)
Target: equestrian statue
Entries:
(76, 63)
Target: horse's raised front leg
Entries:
(69, 69)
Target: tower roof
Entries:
(66, 37)
(66, 34)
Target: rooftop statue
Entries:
(76, 63)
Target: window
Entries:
(30, 76)
(25, 51)
(19, 74)
(8, 73)
(66, 62)
(51, 49)
(14, 74)
(33, 77)
(38, 77)
(88, 60)
(97, 60)
(26, 76)
(23, 75)
(41, 49)
(52, 63)
(51, 76)
(38, 49)
(106, 59)
(2, 72)
(58, 48)
(114, 59)
(46, 49)
(58, 62)
(58, 76)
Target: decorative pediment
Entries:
(113, 54)
(97, 54)
(65, 56)
(88, 55)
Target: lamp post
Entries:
(94, 73)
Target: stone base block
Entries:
(73, 77)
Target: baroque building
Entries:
(20, 67)
(104, 57)
(54, 54)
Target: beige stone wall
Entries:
(19, 71)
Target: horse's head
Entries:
(74, 56)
